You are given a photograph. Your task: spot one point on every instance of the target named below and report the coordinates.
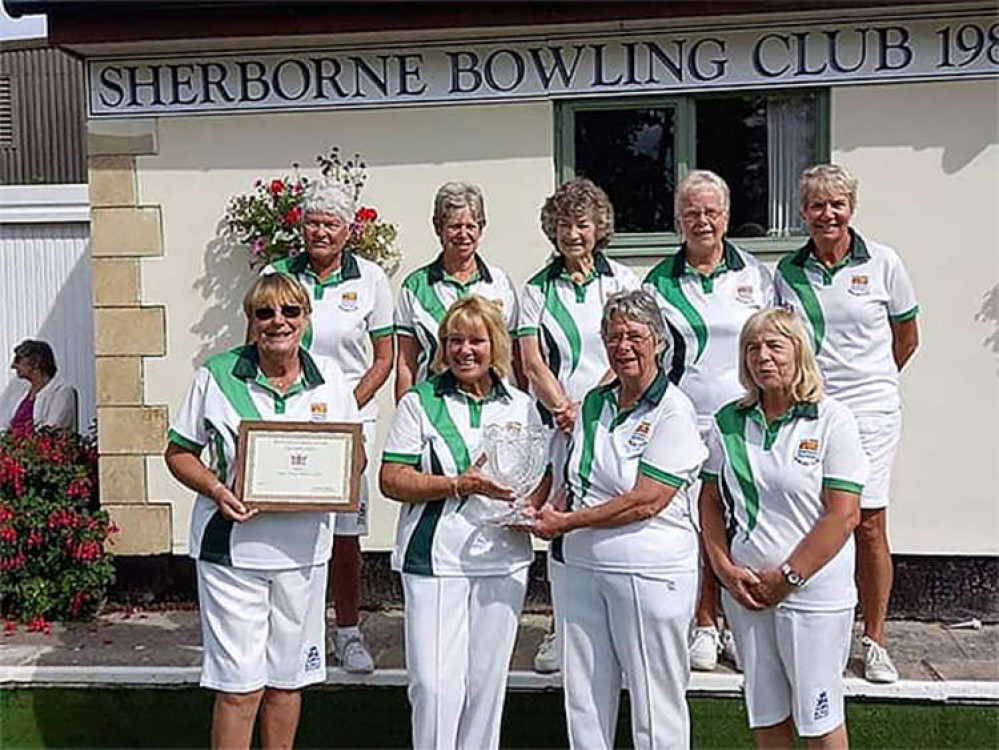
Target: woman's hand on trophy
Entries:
(474, 482)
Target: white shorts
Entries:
(262, 628)
(879, 435)
(356, 524)
(793, 662)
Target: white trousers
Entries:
(638, 625)
(459, 638)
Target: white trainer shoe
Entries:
(546, 658)
(729, 651)
(878, 666)
(352, 653)
(704, 647)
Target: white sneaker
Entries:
(704, 647)
(728, 650)
(352, 653)
(878, 666)
(546, 658)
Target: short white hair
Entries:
(329, 197)
(698, 181)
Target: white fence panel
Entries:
(45, 293)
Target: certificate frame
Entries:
(300, 466)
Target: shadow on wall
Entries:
(226, 278)
(920, 116)
(989, 314)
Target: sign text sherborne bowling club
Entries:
(775, 55)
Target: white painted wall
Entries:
(927, 156)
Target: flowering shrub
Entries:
(53, 564)
(268, 221)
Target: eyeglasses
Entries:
(695, 214)
(635, 339)
(289, 312)
(330, 226)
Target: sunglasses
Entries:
(289, 312)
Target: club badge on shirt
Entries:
(745, 293)
(640, 437)
(808, 452)
(859, 285)
(348, 301)
(319, 411)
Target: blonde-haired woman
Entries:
(779, 503)
(464, 579)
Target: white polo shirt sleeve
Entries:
(380, 318)
(510, 303)
(188, 427)
(405, 314)
(844, 465)
(767, 289)
(532, 304)
(675, 451)
(902, 303)
(404, 444)
(715, 461)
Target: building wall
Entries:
(926, 154)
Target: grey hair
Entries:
(329, 197)
(695, 182)
(454, 196)
(637, 306)
(828, 178)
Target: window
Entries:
(638, 149)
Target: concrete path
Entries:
(163, 648)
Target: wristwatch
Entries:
(792, 576)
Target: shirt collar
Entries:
(436, 272)
(652, 395)
(801, 410)
(248, 363)
(348, 267)
(601, 266)
(731, 257)
(858, 250)
(446, 384)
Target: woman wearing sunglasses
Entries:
(352, 323)
(261, 576)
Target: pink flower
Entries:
(259, 245)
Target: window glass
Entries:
(630, 153)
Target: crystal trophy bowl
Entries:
(516, 457)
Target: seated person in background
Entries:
(50, 401)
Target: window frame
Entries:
(657, 244)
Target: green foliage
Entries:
(53, 562)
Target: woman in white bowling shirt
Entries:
(463, 578)
(628, 545)
(779, 503)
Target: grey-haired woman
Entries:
(627, 543)
(352, 324)
(459, 270)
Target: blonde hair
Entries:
(831, 179)
(468, 310)
(274, 290)
(806, 387)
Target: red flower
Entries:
(294, 215)
(10, 627)
(366, 214)
(39, 625)
(276, 187)
(8, 534)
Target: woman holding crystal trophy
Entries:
(459, 443)
(629, 581)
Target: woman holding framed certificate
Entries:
(261, 575)
(464, 577)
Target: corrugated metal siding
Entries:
(45, 284)
(48, 120)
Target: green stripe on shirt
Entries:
(663, 477)
(410, 459)
(732, 423)
(670, 288)
(904, 316)
(554, 306)
(175, 437)
(843, 484)
(797, 279)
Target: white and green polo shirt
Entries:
(771, 479)
(704, 315)
(566, 316)
(428, 292)
(848, 311)
(656, 438)
(352, 307)
(227, 389)
(438, 429)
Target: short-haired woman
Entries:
(50, 401)
(351, 322)
(459, 220)
(463, 578)
(856, 299)
(779, 503)
(261, 576)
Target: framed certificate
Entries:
(296, 466)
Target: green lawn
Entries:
(379, 717)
